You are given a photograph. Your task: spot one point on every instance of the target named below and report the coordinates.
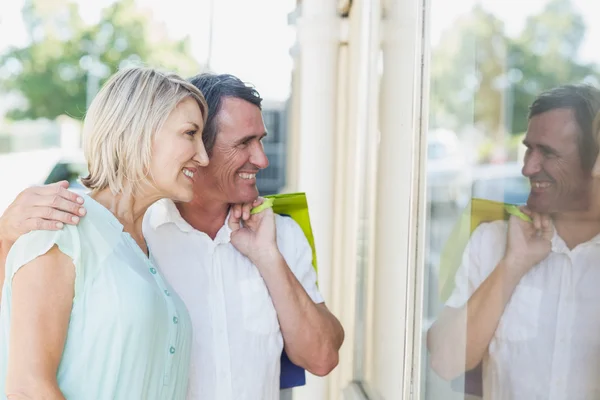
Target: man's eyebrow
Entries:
(544, 147)
(249, 137)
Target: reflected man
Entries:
(526, 301)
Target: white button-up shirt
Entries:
(547, 344)
(237, 340)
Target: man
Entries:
(248, 300)
(526, 301)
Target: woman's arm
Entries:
(42, 297)
(4, 248)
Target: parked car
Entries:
(448, 170)
(501, 182)
(29, 168)
(69, 167)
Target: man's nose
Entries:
(532, 164)
(258, 157)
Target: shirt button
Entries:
(172, 350)
(175, 320)
(153, 270)
(167, 292)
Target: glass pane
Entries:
(528, 320)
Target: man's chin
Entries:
(539, 207)
(247, 196)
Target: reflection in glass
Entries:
(489, 61)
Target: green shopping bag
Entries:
(477, 212)
(295, 206)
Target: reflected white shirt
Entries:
(547, 344)
(237, 340)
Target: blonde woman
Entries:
(85, 312)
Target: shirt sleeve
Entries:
(482, 253)
(298, 254)
(37, 243)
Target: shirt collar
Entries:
(559, 245)
(165, 212)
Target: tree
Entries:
(66, 60)
(484, 79)
(545, 55)
(464, 74)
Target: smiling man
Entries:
(526, 301)
(249, 287)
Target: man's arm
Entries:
(41, 207)
(43, 293)
(459, 339)
(312, 334)
(46, 207)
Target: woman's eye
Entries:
(191, 133)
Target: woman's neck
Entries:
(129, 209)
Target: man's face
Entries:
(237, 154)
(553, 164)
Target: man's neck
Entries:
(205, 216)
(577, 228)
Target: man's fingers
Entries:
(57, 189)
(60, 203)
(547, 228)
(69, 195)
(234, 222)
(52, 214)
(36, 224)
(235, 214)
(537, 221)
(246, 210)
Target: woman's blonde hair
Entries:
(121, 122)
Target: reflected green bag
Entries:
(477, 212)
(295, 206)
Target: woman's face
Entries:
(178, 152)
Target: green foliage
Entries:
(66, 59)
(482, 78)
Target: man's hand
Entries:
(253, 235)
(528, 243)
(41, 207)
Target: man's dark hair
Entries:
(584, 100)
(214, 88)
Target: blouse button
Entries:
(175, 320)
(153, 270)
(167, 292)
(172, 350)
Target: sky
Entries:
(514, 14)
(252, 39)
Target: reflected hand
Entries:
(40, 208)
(528, 243)
(253, 235)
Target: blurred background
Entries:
(390, 114)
